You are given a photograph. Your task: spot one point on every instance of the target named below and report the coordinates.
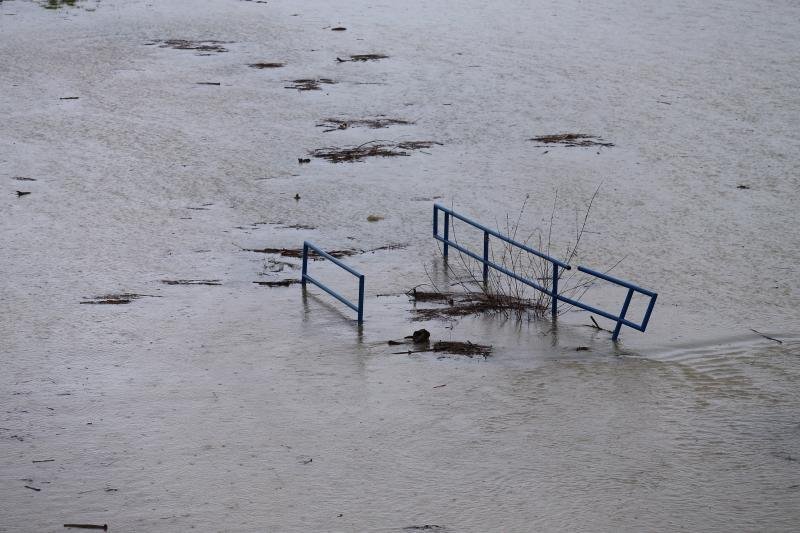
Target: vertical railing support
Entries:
(554, 298)
(485, 256)
(446, 232)
(361, 298)
(622, 314)
(305, 264)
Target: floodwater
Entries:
(238, 407)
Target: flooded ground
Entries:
(149, 384)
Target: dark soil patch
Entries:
(572, 139)
(116, 299)
(267, 65)
(281, 283)
(371, 149)
(310, 84)
(362, 57)
(462, 348)
(191, 282)
(460, 304)
(199, 46)
(333, 124)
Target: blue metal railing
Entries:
(305, 277)
(558, 267)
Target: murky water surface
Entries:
(153, 151)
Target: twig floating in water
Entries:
(104, 527)
(766, 336)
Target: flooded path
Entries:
(154, 157)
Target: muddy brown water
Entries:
(240, 408)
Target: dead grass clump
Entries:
(266, 65)
(363, 57)
(459, 304)
(191, 282)
(462, 348)
(114, 299)
(334, 124)
(572, 139)
(298, 252)
(200, 46)
(281, 283)
(370, 149)
(309, 84)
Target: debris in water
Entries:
(572, 139)
(115, 299)
(191, 281)
(200, 46)
(22, 178)
(468, 303)
(426, 527)
(362, 57)
(371, 149)
(420, 336)
(745, 187)
(33, 488)
(22, 193)
(43, 461)
(766, 336)
(297, 196)
(303, 160)
(69, 98)
(338, 28)
(379, 122)
(440, 386)
(281, 283)
(462, 348)
(208, 83)
(582, 349)
(374, 218)
(309, 84)
(298, 252)
(303, 460)
(104, 527)
(267, 65)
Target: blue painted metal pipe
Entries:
(322, 253)
(620, 319)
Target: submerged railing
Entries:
(322, 253)
(557, 268)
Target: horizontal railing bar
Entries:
(600, 312)
(495, 266)
(618, 281)
(502, 237)
(331, 292)
(329, 257)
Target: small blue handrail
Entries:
(305, 277)
(558, 267)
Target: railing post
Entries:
(305, 263)
(361, 298)
(485, 256)
(554, 296)
(435, 220)
(622, 315)
(446, 232)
